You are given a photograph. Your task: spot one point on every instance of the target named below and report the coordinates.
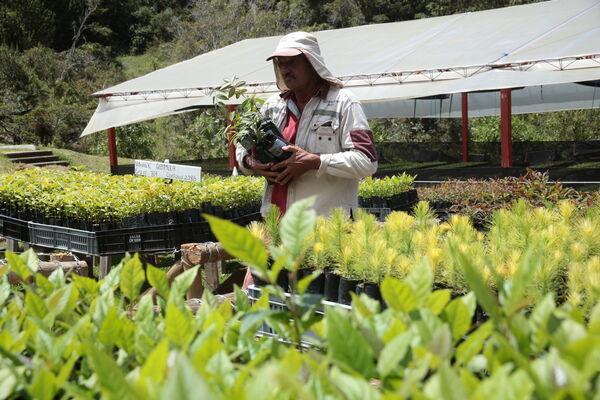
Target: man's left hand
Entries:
(299, 162)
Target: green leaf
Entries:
(398, 295)
(34, 305)
(158, 279)
(155, 366)
(420, 280)
(17, 265)
(458, 317)
(145, 310)
(111, 280)
(473, 343)
(347, 347)
(239, 242)
(30, 258)
(132, 278)
(393, 353)
(477, 285)
(109, 376)
(110, 328)
(182, 283)
(241, 300)
(184, 383)
(297, 223)
(438, 300)
(353, 388)
(178, 326)
(43, 385)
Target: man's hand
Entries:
(299, 162)
(260, 168)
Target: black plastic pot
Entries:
(331, 286)
(317, 286)
(135, 221)
(346, 286)
(370, 289)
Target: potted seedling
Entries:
(250, 128)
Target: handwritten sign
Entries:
(168, 171)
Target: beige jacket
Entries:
(333, 125)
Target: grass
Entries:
(99, 164)
(461, 165)
(590, 164)
(89, 162)
(406, 165)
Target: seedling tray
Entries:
(14, 228)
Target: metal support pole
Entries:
(112, 148)
(505, 128)
(232, 161)
(465, 126)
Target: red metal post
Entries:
(112, 147)
(232, 161)
(505, 128)
(465, 127)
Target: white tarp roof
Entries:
(542, 48)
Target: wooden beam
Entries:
(112, 148)
(465, 126)
(506, 128)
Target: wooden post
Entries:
(505, 128)
(105, 264)
(112, 148)
(11, 244)
(465, 126)
(232, 161)
(211, 255)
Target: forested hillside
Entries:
(54, 54)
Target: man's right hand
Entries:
(259, 168)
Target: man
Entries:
(333, 145)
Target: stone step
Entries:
(44, 164)
(30, 160)
(34, 153)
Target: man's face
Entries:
(297, 72)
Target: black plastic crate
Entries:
(154, 238)
(14, 228)
(63, 238)
(196, 232)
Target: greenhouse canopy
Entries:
(547, 52)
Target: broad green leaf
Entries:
(184, 383)
(452, 388)
(57, 277)
(178, 326)
(250, 320)
(398, 295)
(8, 382)
(155, 366)
(420, 280)
(109, 375)
(347, 347)
(297, 223)
(4, 291)
(393, 353)
(30, 258)
(353, 388)
(59, 301)
(241, 300)
(43, 385)
(111, 280)
(239, 242)
(110, 328)
(158, 279)
(441, 342)
(182, 283)
(473, 343)
(132, 278)
(477, 285)
(17, 265)
(35, 305)
(145, 310)
(88, 285)
(208, 345)
(438, 300)
(458, 317)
